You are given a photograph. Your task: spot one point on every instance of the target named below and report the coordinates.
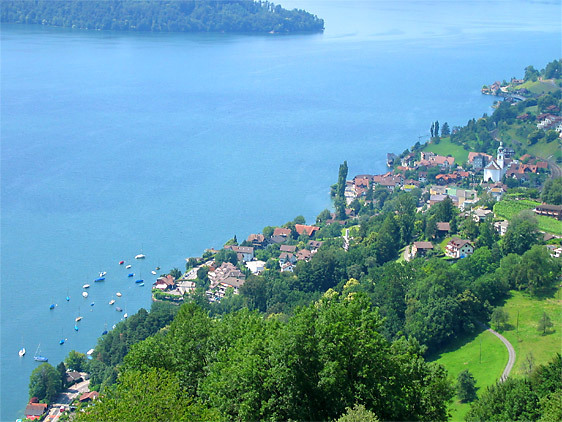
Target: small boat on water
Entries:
(139, 281)
(118, 309)
(89, 352)
(52, 306)
(86, 286)
(61, 342)
(140, 256)
(39, 358)
(157, 268)
(75, 327)
(121, 262)
(141, 284)
(21, 352)
(100, 279)
(131, 274)
(128, 266)
(67, 298)
(85, 294)
(104, 332)
(112, 301)
(103, 273)
(92, 304)
(77, 319)
(125, 316)
(118, 294)
(153, 272)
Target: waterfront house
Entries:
(165, 283)
(72, 377)
(35, 411)
(420, 249)
(459, 248)
(304, 229)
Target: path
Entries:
(65, 398)
(511, 352)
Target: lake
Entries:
(115, 144)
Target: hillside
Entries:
(161, 16)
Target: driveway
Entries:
(67, 397)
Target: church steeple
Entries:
(501, 156)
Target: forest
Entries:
(243, 16)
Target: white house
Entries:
(459, 248)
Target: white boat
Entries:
(78, 318)
(112, 301)
(118, 294)
(153, 272)
(126, 315)
(128, 266)
(140, 256)
(21, 352)
(85, 286)
(85, 294)
(89, 352)
(103, 273)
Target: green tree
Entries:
(75, 360)
(445, 130)
(44, 383)
(537, 271)
(323, 216)
(545, 323)
(149, 395)
(358, 414)
(521, 234)
(552, 191)
(531, 74)
(499, 318)
(226, 255)
(466, 386)
(61, 369)
(176, 273)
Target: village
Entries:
(464, 185)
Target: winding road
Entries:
(511, 352)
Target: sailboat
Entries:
(78, 318)
(67, 296)
(38, 357)
(21, 352)
(62, 340)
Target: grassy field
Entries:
(527, 339)
(538, 87)
(465, 354)
(545, 150)
(508, 208)
(524, 312)
(445, 147)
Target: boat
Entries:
(141, 284)
(67, 298)
(121, 262)
(157, 268)
(104, 332)
(61, 342)
(128, 266)
(140, 256)
(118, 294)
(86, 286)
(153, 272)
(139, 281)
(92, 304)
(77, 319)
(85, 294)
(103, 273)
(118, 309)
(75, 327)
(89, 352)
(131, 274)
(21, 352)
(37, 357)
(112, 301)
(100, 279)
(52, 306)
(126, 315)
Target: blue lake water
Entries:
(117, 143)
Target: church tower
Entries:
(501, 156)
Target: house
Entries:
(422, 176)
(165, 283)
(287, 257)
(420, 248)
(244, 253)
(287, 267)
(304, 229)
(288, 248)
(459, 248)
(35, 410)
(304, 255)
(501, 226)
(73, 377)
(257, 240)
(480, 214)
(554, 211)
(91, 396)
(479, 159)
(314, 245)
(443, 228)
(256, 267)
(281, 231)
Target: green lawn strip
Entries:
(465, 354)
(538, 87)
(544, 149)
(508, 208)
(445, 147)
(527, 339)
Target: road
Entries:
(511, 352)
(65, 398)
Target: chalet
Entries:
(287, 267)
(314, 245)
(288, 248)
(422, 176)
(91, 396)
(443, 228)
(459, 248)
(421, 248)
(256, 240)
(554, 211)
(280, 231)
(408, 160)
(497, 192)
(480, 214)
(35, 411)
(165, 283)
(287, 257)
(501, 226)
(304, 255)
(304, 229)
(435, 199)
(72, 377)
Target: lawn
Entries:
(526, 338)
(538, 87)
(545, 150)
(445, 147)
(465, 354)
(508, 208)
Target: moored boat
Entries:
(128, 266)
(139, 281)
(118, 294)
(104, 332)
(126, 315)
(77, 318)
(75, 327)
(103, 273)
(141, 284)
(92, 304)
(153, 272)
(85, 294)
(112, 301)
(100, 279)
(140, 256)
(21, 352)
(39, 358)
(121, 262)
(118, 309)
(89, 352)
(52, 306)
(86, 286)
(131, 274)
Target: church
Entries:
(497, 168)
